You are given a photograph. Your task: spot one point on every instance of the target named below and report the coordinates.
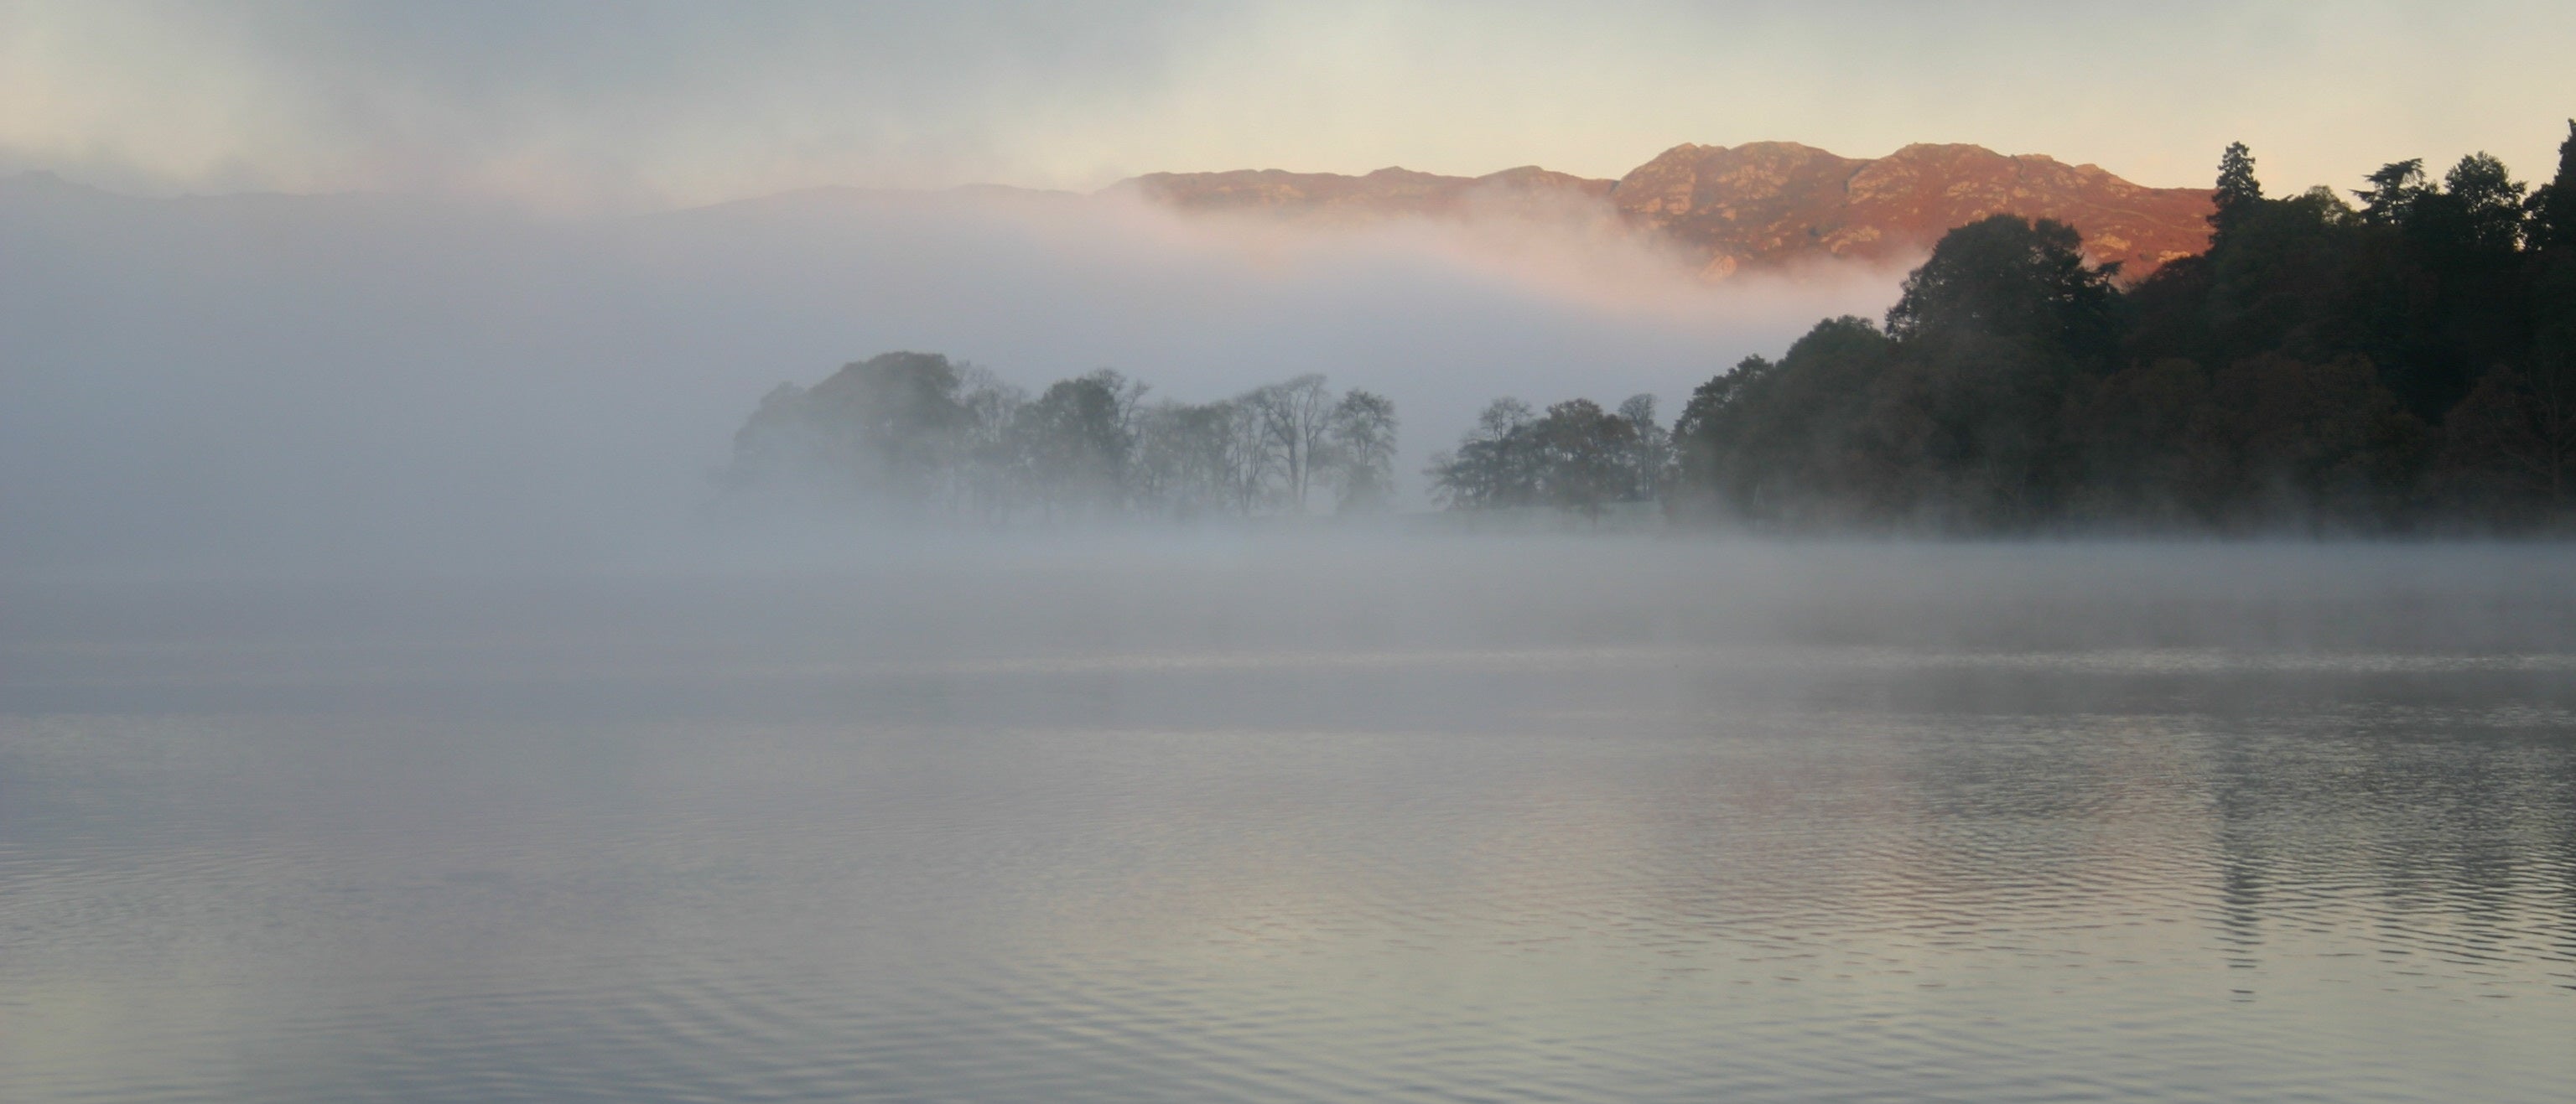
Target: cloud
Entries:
(630, 106)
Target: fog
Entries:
(384, 710)
(1133, 619)
(276, 383)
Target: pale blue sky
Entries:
(627, 105)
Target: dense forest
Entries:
(2406, 362)
(925, 438)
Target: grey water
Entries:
(1280, 819)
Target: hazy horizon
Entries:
(556, 107)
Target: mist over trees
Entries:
(924, 438)
(2405, 361)
(1576, 457)
(2400, 361)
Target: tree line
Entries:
(921, 436)
(1576, 457)
(2402, 361)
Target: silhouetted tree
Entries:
(2392, 193)
(2238, 196)
(1251, 458)
(1577, 457)
(2292, 373)
(1496, 464)
(1788, 442)
(890, 427)
(1585, 457)
(1298, 416)
(1180, 465)
(1363, 451)
(994, 479)
(1077, 442)
(2007, 278)
(1650, 456)
(2552, 231)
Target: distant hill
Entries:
(1389, 191)
(1762, 204)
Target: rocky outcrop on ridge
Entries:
(1762, 204)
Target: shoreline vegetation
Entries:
(2400, 364)
(923, 438)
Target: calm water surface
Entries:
(1482, 822)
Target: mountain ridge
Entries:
(1748, 208)
(1760, 205)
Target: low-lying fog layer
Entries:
(1111, 604)
(299, 382)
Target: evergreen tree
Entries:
(2392, 193)
(2553, 205)
(2238, 196)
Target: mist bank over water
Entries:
(1772, 620)
(269, 382)
(282, 384)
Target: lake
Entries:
(1229, 817)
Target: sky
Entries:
(640, 105)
